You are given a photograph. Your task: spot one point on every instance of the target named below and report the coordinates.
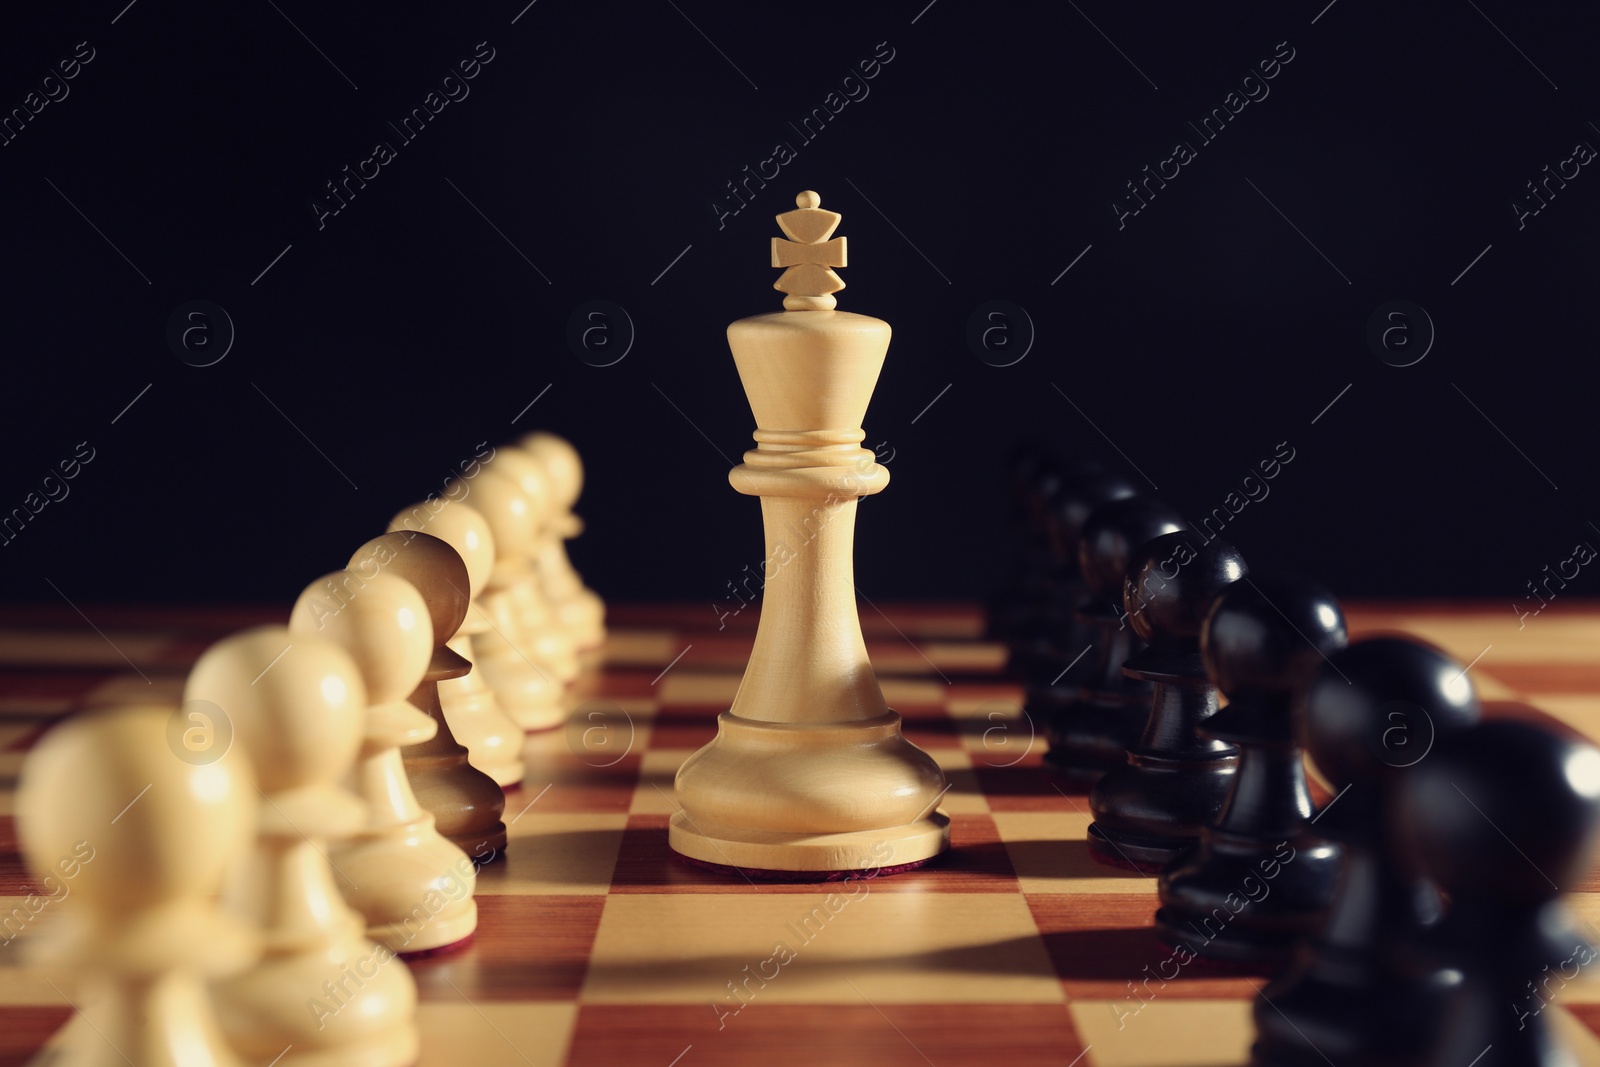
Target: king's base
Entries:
(758, 874)
(797, 854)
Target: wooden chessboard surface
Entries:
(595, 946)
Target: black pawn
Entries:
(1503, 816)
(1152, 809)
(1092, 715)
(1255, 885)
(1354, 994)
(1054, 631)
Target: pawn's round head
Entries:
(1171, 582)
(503, 506)
(458, 526)
(107, 806)
(1269, 634)
(562, 465)
(1505, 809)
(296, 704)
(1074, 500)
(429, 564)
(1110, 536)
(381, 620)
(530, 476)
(1379, 704)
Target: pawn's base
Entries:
(1081, 777)
(413, 955)
(414, 937)
(1376, 1016)
(267, 1017)
(531, 696)
(1147, 855)
(1234, 947)
(815, 853)
(541, 722)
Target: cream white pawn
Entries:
(322, 995)
(493, 738)
(513, 513)
(577, 606)
(412, 886)
(527, 672)
(143, 837)
(526, 585)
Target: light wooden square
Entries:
(654, 795)
(913, 692)
(964, 797)
(556, 854)
(488, 1034)
(864, 947)
(1050, 853)
(1175, 1033)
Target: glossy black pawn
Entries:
(1044, 647)
(1254, 886)
(1355, 993)
(1034, 475)
(1091, 716)
(1154, 807)
(1456, 816)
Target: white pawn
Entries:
(577, 606)
(524, 583)
(525, 670)
(412, 886)
(322, 994)
(493, 738)
(140, 829)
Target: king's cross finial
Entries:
(810, 281)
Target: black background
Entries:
(379, 350)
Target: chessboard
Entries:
(596, 945)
